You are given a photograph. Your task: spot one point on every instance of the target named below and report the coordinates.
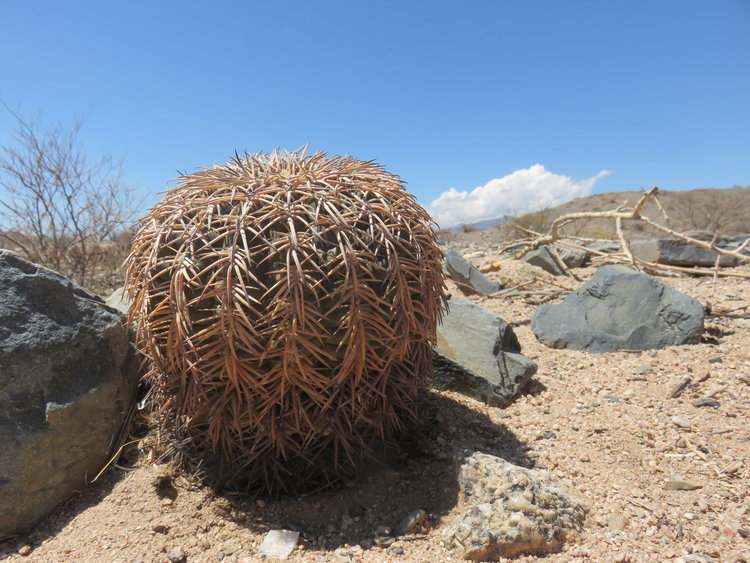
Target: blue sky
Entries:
(481, 107)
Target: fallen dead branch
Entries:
(626, 256)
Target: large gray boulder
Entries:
(479, 355)
(469, 278)
(620, 309)
(511, 511)
(68, 376)
(676, 252)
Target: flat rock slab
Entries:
(675, 252)
(479, 355)
(620, 309)
(467, 276)
(512, 511)
(68, 376)
(605, 246)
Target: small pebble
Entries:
(715, 360)
(383, 541)
(177, 556)
(682, 485)
(382, 531)
(682, 422)
(644, 368)
(617, 521)
(279, 544)
(706, 402)
(24, 550)
(584, 457)
(413, 519)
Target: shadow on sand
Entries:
(422, 478)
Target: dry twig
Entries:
(619, 215)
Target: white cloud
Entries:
(522, 191)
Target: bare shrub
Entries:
(715, 211)
(59, 208)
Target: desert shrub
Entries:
(513, 226)
(58, 207)
(286, 305)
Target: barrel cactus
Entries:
(286, 305)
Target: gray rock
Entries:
(478, 354)
(735, 241)
(675, 252)
(543, 258)
(119, 300)
(409, 522)
(620, 309)
(706, 402)
(512, 511)
(571, 257)
(605, 246)
(68, 377)
(467, 276)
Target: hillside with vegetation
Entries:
(714, 210)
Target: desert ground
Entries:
(608, 424)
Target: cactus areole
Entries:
(286, 306)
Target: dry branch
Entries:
(619, 215)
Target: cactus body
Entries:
(286, 305)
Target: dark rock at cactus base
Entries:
(479, 355)
(68, 377)
(469, 278)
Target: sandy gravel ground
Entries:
(603, 422)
